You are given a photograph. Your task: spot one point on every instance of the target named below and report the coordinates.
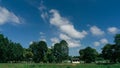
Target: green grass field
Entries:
(18, 65)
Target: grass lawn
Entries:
(25, 65)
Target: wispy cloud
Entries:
(67, 30)
(65, 25)
(42, 36)
(44, 12)
(6, 16)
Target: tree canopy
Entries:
(88, 54)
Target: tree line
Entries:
(39, 52)
(110, 53)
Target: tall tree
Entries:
(61, 51)
(50, 56)
(39, 50)
(112, 51)
(10, 51)
(3, 50)
(64, 49)
(88, 54)
(57, 53)
(117, 39)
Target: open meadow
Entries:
(20, 65)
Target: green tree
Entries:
(88, 54)
(50, 55)
(61, 51)
(28, 55)
(3, 50)
(117, 43)
(117, 39)
(112, 51)
(107, 52)
(18, 52)
(39, 50)
(57, 53)
(10, 51)
(64, 49)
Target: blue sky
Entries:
(81, 23)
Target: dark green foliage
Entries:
(39, 50)
(10, 51)
(28, 55)
(88, 54)
(60, 51)
(64, 49)
(117, 39)
(111, 52)
(50, 56)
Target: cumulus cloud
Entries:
(7, 16)
(96, 43)
(65, 25)
(54, 40)
(96, 31)
(113, 30)
(71, 42)
(104, 41)
(64, 37)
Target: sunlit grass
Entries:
(33, 65)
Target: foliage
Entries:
(10, 51)
(60, 51)
(88, 54)
(112, 51)
(39, 50)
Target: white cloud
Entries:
(42, 33)
(96, 31)
(54, 40)
(44, 13)
(65, 25)
(67, 30)
(64, 37)
(96, 43)
(43, 39)
(42, 36)
(113, 30)
(7, 16)
(104, 41)
(31, 42)
(57, 20)
(71, 42)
